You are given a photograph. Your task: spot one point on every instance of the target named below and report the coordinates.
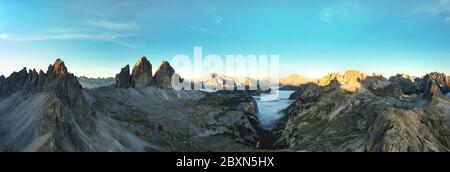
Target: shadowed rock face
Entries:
(123, 79)
(142, 73)
(350, 81)
(406, 83)
(431, 90)
(163, 75)
(380, 116)
(50, 103)
(442, 81)
(307, 92)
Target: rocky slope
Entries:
(51, 112)
(356, 112)
(123, 79)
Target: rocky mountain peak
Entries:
(375, 81)
(2, 78)
(163, 75)
(406, 83)
(350, 81)
(432, 90)
(123, 79)
(441, 80)
(142, 73)
(294, 80)
(354, 76)
(56, 80)
(406, 76)
(58, 68)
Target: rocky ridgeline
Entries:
(141, 75)
(51, 103)
(357, 112)
(56, 79)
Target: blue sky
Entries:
(312, 38)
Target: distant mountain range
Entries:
(95, 82)
(212, 80)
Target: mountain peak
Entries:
(142, 60)
(142, 73)
(405, 76)
(163, 75)
(123, 79)
(59, 68)
(350, 81)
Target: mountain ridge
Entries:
(52, 112)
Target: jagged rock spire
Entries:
(142, 73)
(163, 75)
(435, 84)
(123, 79)
(59, 68)
(56, 80)
(432, 90)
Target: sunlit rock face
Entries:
(293, 80)
(350, 81)
(163, 75)
(142, 73)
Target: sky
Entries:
(312, 38)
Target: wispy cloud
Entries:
(433, 8)
(343, 11)
(94, 37)
(218, 19)
(3, 36)
(105, 37)
(113, 25)
(213, 13)
(203, 30)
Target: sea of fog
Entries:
(270, 107)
